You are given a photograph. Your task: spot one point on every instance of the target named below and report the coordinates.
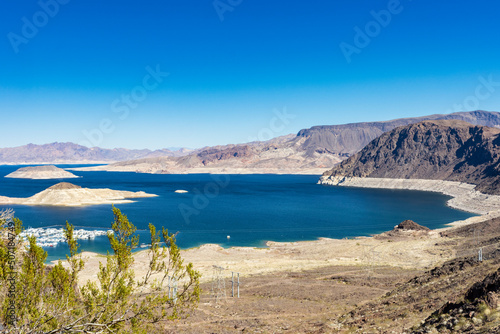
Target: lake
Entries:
(251, 209)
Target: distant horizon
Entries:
(127, 74)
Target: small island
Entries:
(67, 194)
(41, 173)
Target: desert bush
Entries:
(40, 298)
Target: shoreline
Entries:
(276, 257)
(464, 197)
(204, 170)
(407, 251)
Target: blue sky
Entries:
(73, 70)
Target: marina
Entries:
(51, 237)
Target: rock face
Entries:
(67, 194)
(435, 150)
(41, 172)
(348, 139)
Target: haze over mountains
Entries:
(62, 153)
(311, 150)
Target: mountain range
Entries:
(62, 153)
(309, 151)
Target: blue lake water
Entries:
(251, 209)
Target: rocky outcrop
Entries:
(67, 194)
(407, 228)
(41, 173)
(429, 150)
(478, 312)
(410, 225)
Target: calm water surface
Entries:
(251, 209)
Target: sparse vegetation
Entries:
(48, 299)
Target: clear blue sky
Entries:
(72, 73)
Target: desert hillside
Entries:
(437, 150)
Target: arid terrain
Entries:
(388, 283)
(365, 297)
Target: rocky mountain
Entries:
(347, 139)
(73, 153)
(443, 149)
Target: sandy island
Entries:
(41, 173)
(408, 250)
(67, 194)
